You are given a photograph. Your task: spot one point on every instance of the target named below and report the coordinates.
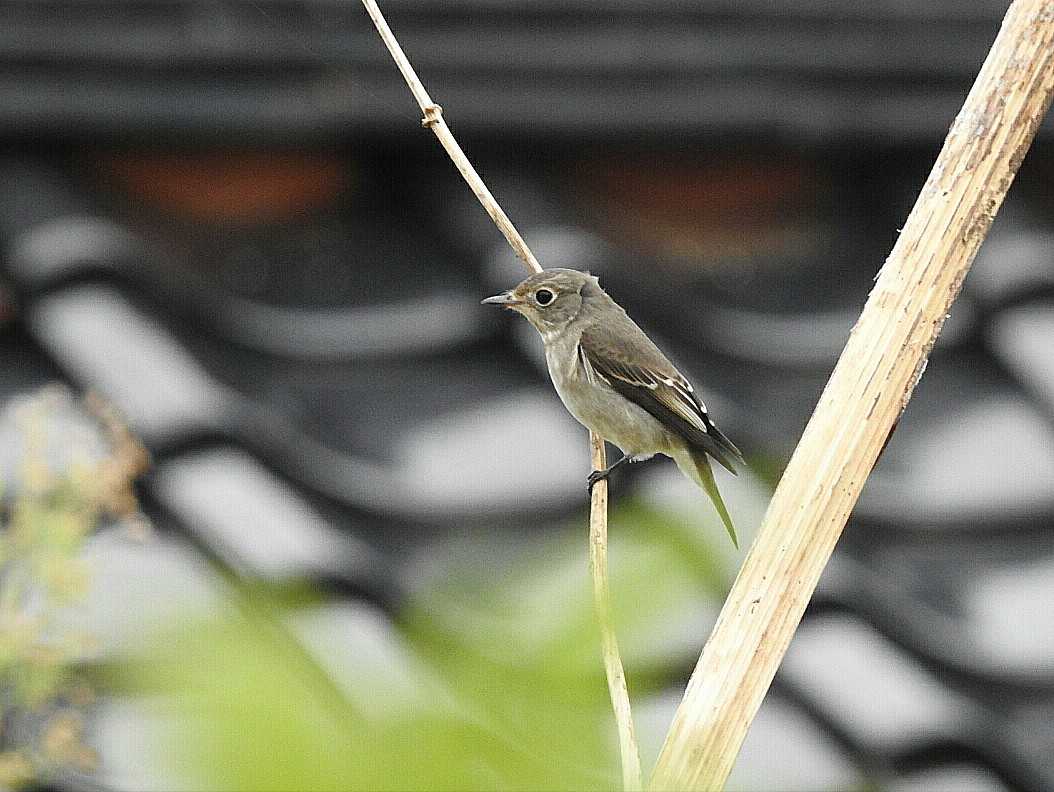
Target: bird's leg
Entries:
(597, 475)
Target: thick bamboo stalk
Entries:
(869, 388)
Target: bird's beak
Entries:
(505, 299)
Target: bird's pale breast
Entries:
(599, 408)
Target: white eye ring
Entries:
(543, 297)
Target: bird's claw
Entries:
(594, 477)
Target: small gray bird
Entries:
(616, 382)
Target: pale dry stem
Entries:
(598, 567)
(433, 119)
(863, 400)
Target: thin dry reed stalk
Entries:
(598, 529)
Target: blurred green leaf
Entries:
(506, 690)
(252, 715)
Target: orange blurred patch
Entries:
(229, 187)
(730, 209)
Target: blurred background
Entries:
(285, 508)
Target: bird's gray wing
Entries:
(649, 380)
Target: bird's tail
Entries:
(696, 465)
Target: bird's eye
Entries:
(543, 297)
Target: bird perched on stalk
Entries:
(617, 383)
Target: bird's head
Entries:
(551, 299)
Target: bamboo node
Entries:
(433, 115)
